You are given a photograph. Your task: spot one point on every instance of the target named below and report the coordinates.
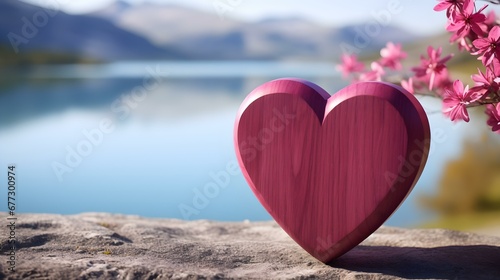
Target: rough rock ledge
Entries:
(107, 246)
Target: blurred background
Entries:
(129, 106)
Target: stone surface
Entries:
(106, 246)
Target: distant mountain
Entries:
(200, 34)
(33, 28)
(204, 35)
(114, 10)
(162, 31)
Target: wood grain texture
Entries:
(331, 169)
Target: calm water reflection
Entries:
(163, 146)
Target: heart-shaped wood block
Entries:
(331, 169)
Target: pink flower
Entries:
(494, 117)
(456, 100)
(350, 64)
(432, 66)
(452, 7)
(392, 56)
(495, 66)
(443, 82)
(488, 48)
(485, 83)
(467, 20)
(408, 85)
(374, 75)
(491, 19)
(463, 44)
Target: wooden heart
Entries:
(331, 169)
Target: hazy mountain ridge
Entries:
(205, 35)
(163, 31)
(31, 28)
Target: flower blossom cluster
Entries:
(474, 32)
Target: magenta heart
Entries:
(331, 169)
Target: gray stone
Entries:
(106, 246)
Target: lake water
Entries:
(82, 143)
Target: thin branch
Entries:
(481, 103)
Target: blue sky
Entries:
(415, 16)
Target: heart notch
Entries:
(331, 169)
